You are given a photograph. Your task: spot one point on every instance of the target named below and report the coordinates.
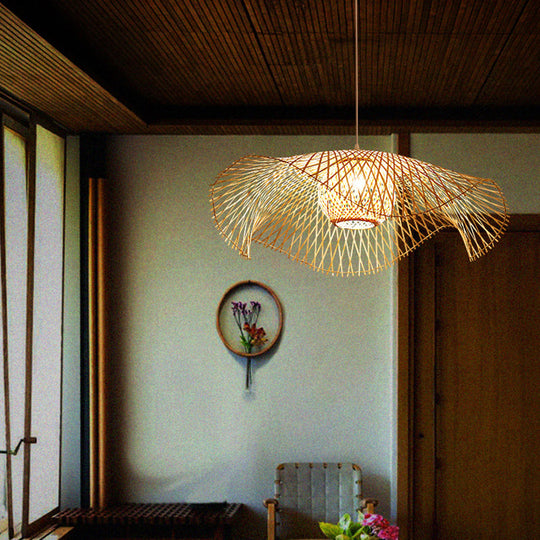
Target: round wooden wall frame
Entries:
(246, 291)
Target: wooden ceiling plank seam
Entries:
(399, 24)
(448, 19)
(195, 37)
(490, 51)
(402, 56)
(293, 60)
(442, 47)
(255, 16)
(406, 59)
(471, 15)
(278, 54)
(330, 60)
(273, 18)
(436, 15)
(500, 78)
(529, 20)
(258, 59)
(166, 44)
(166, 41)
(324, 48)
(467, 57)
(495, 66)
(388, 70)
(346, 54)
(210, 18)
(446, 58)
(288, 15)
(363, 55)
(310, 41)
(317, 16)
(420, 75)
(413, 68)
(390, 18)
(416, 8)
(388, 56)
(501, 17)
(194, 81)
(131, 23)
(127, 54)
(195, 15)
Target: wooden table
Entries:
(210, 521)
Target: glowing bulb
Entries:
(355, 200)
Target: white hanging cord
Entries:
(356, 65)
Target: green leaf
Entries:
(330, 530)
(361, 531)
(343, 537)
(344, 522)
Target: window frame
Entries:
(25, 124)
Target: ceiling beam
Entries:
(415, 119)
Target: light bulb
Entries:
(354, 199)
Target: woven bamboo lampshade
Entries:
(350, 212)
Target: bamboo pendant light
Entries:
(350, 212)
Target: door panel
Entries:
(476, 404)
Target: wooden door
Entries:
(472, 409)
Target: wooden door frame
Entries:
(406, 363)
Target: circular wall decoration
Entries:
(249, 320)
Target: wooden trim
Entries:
(101, 347)
(405, 395)
(404, 143)
(92, 330)
(36, 527)
(405, 321)
(97, 341)
(64, 206)
(31, 187)
(55, 532)
(5, 342)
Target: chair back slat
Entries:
(311, 492)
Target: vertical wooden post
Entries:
(97, 340)
(101, 345)
(405, 376)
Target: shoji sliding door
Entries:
(32, 295)
(47, 324)
(14, 313)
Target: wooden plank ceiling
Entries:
(274, 66)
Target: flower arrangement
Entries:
(246, 320)
(368, 527)
(250, 335)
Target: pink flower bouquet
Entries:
(368, 527)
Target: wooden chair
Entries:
(306, 493)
